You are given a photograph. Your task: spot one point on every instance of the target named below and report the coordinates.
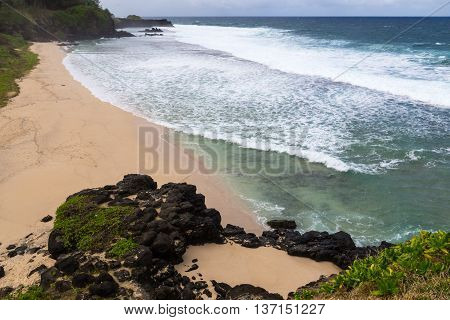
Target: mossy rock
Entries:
(86, 226)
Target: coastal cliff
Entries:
(43, 20)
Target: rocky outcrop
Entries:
(282, 224)
(155, 230)
(63, 20)
(122, 23)
(338, 248)
(124, 240)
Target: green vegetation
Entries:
(134, 17)
(122, 247)
(30, 293)
(85, 226)
(43, 20)
(416, 269)
(15, 61)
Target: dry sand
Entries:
(56, 138)
(263, 267)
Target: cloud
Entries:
(275, 7)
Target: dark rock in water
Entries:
(123, 34)
(135, 183)
(49, 276)
(82, 280)
(56, 245)
(140, 257)
(282, 224)
(2, 272)
(47, 219)
(62, 286)
(192, 268)
(249, 292)
(39, 270)
(67, 264)
(122, 275)
(11, 247)
(122, 23)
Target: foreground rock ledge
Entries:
(122, 241)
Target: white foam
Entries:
(398, 74)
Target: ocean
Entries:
(337, 123)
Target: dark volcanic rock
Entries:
(140, 257)
(82, 280)
(39, 270)
(221, 289)
(122, 275)
(5, 291)
(167, 293)
(192, 268)
(47, 219)
(135, 183)
(11, 247)
(104, 286)
(63, 286)
(56, 245)
(249, 292)
(67, 264)
(160, 225)
(282, 224)
(2, 272)
(97, 196)
(49, 276)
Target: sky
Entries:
(168, 8)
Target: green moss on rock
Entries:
(122, 247)
(85, 226)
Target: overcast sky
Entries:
(160, 8)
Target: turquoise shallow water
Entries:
(309, 119)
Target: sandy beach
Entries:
(56, 138)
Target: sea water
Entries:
(337, 123)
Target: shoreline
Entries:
(42, 150)
(57, 139)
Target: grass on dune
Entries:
(15, 61)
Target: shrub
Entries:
(393, 271)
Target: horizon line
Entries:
(281, 16)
